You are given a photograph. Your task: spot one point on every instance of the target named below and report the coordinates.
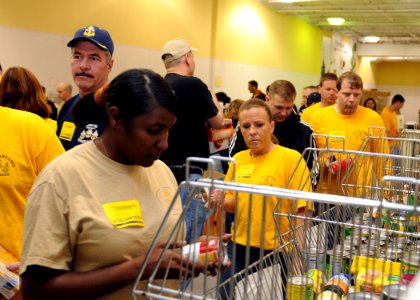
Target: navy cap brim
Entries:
(74, 41)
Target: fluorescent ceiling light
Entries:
(336, 21)
(372, 39)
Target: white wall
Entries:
(411, 94)
(49, 58)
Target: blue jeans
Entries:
(195, 215)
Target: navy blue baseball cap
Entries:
(314, 97)
(96, 35)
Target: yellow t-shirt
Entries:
(309, 112)
(273, 169)
(354, 130)
(27, 145)
(52, 123)
(390, 120)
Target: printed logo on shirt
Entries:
(123, 214)
(67, 131)
(5, 164)
(246, 171)
(89, 133)
(360, 134)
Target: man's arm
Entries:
(217, 122)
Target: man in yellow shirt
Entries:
(328, 90)
(389, 115)
(347, 125)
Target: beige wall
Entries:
(238, 40)
(396, 78)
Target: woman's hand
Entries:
(14, 267)
(217, 198)
(171, 265)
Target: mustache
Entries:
(84, 74)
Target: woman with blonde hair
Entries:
(232, 111)
(20, 89)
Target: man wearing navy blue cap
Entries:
(91, 63)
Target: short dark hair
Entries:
(397, 98)
(222, 97)
(134, 92)
(354, 80)
(327, 76)
(253, 83)
(283, 88)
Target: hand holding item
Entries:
(335, 166)
(207, 255)
(217, 198)
(172, 265)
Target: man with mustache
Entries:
(91, 63)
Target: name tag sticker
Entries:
(123, 214)
(337, 142)
(67, 131)
(246, 171)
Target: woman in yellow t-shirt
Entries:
(264, 163)
(20, 89)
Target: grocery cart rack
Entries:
(359, 238)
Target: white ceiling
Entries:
(395, 21)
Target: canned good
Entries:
(356, 238)
(396, 223)
(413, 249)
(346, 246)
(300, 287)
(319, 279)
(202, 252)
(316, 259)
(394, 292)
(410, 264)
(374, 243)
(392, 254)
(365, 251)
(328, 295)
(339, 284)
(400, 240)
(361, 296)
(381, 234)
(337, 262)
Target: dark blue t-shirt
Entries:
(71, 135)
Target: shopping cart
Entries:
(374, 243)
(261, 276)
(282, 272)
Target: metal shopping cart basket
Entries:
(262, 275)
(289, 270)
(374, 246)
